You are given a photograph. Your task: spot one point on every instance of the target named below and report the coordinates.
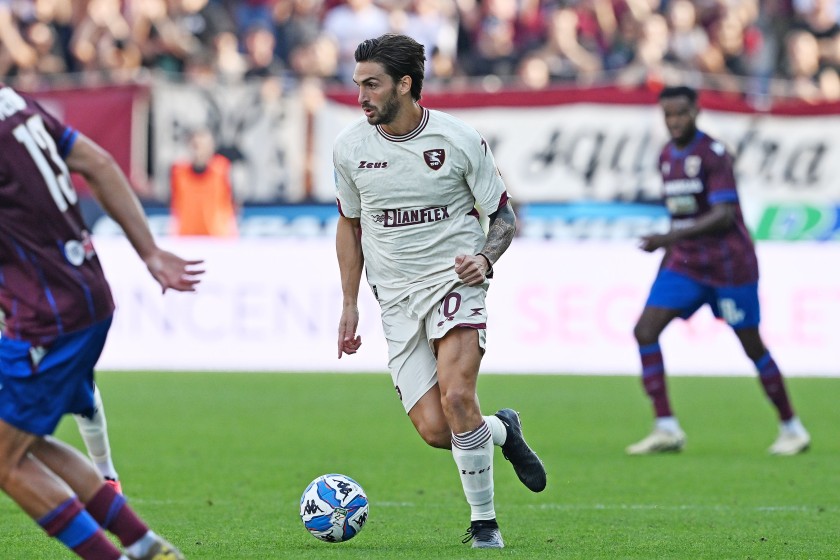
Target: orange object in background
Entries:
(202, 200)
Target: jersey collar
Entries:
(424, 120)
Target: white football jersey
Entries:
(416, 198)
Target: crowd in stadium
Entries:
(783, 48)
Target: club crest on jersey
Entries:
(692, 166)
(78, 251)
(666, 167)
(434, 158)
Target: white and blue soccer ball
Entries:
(334, 508)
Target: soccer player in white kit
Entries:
(408, 180)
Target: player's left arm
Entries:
(487, 185)
(113, 191)
(474, 269)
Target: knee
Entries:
(755, 353)
(644, 334)
(5, 473)
(9, 463)
(457, 401)
(752, 343)
(435, 435)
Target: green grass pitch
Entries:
(217, 463)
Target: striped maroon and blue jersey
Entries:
(694, 179)
(51, 281)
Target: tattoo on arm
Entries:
(500, 234)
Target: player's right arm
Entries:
(723, 197)
(717, 220)
(348, 247)
(112, 190)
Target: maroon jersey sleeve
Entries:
(720, 176)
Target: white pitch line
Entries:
(570, 507)
(683, 507)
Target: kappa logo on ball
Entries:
(334, 508)
(434, 158)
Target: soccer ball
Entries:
(334, 508)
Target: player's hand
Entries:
(173, 272)
(348, 341)
(471, 269)
(650, 243)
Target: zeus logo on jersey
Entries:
(364, 164)
(399, 217)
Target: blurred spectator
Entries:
(641, 9)
(687, 39)
(622, 44)
(567, 58)
(259, 53)
(15, 52)
(49, 63)
(228, 63)
(819, 18)
(442, 68)
(164, 44)
(737, 49)
(494, 40)
(348, 25)
(317, 58)
(58, 16)
(649, 66)
(203, 19)
(432, 23)
(296, 23)
(201, 193)
(730, 45)
(200, 68)
(252, 13)
(725, 57)
(596, 25)
(43, 26)
(533, 72)
(808, 80)
(102, 42)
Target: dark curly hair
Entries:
(400, 55)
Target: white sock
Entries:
(473, 454)
(793, 426)
(142, 545)
(497, 428)
(94, 432)
(669, 424)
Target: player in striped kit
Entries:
(709, 259)
(57, 309)
(408, 181)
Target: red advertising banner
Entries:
(115, 117)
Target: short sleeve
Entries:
(63, 135)
(346, 194)
(483, 176)
(720, 176)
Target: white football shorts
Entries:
(411, 356)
